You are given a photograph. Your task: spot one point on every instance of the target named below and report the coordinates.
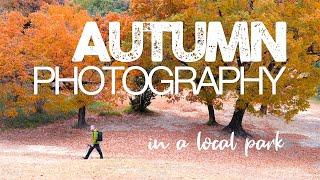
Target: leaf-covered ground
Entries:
(54, 151)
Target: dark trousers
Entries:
(97, 147)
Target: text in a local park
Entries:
(209, 144)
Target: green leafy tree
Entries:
(103, 7)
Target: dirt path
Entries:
(52, 167)
(55, 151)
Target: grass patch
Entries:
(100, 106)
(35, 119)
(129, 110)
(104, 109)
(110, 113)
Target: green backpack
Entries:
(99, 138)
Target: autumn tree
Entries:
(157, 10)
(52, 40)
(200, 11)
(135, 80)
(14, 79)
(300, 78)
(189, 12)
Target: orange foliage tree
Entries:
(52, 39)
(26, 6)
(14, 78)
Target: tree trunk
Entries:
(236, 122)
(39, 106)
(263, 109)
(82, 117)
(212, 119)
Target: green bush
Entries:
(35, 119)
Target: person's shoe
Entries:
(84, 158)
(101, 157)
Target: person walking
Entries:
(95, 143)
